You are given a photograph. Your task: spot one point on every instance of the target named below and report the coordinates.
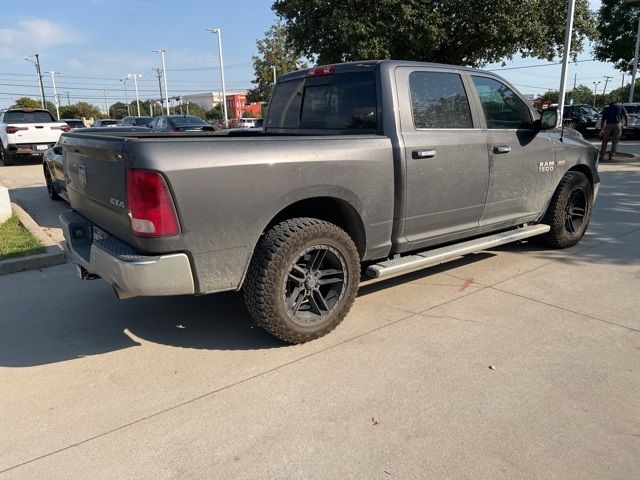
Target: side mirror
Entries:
(549, 120)
(57, 150)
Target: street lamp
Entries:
(39, 73)
(595, 89)
(56, 99)
(224, 91)
(126, 97)
(164, 72)
(135, 77)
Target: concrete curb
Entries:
(53, 256)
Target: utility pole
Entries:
(622, 88)
(159, 75)
(606, 81)
(126, 97)
(274, 74)
(68, 99)
(224, 90)
(39, 74)
(56, 100)
(135, 77)
(164, 74)
(565, 60)
(106, 106)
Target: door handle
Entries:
(417, 154)
(502, 149)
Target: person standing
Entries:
(611, 127)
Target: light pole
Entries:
(126, 97)
(106, 105)
(135, 77)
(224, 91)
(595, 89)
(164, 73)
(274, 75)
(635, 59)
(56, 100)
(565, 60)
(39, 73)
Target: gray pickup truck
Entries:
(363, 169)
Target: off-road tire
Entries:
(277, 249)
(51, 188)
(8, 160)
(559, 236)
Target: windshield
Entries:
(141, 121)
(108, 122)
(182, 121)
(343, 101)
(632, 109)
(37, 116)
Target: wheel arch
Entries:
(331, 209)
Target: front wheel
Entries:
(7, 158)
(569, 212)
(51, 188)
(302, 280)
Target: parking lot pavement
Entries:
(186, 387)
(27, 188)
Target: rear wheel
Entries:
(569, 212)
(51, 187)
(302, 279)
(7, 158)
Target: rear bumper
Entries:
(130, 273)
(29, 148)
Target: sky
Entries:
(95, 43)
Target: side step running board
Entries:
(443, 254)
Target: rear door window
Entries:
(439, 100)
(28, 117)
(502, 108)
(343, 101)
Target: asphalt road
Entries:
(183, 387)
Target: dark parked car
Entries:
(106, 122)
(179, 123)
(136, 121)
(73, 122)
(53, 166)
(582, 117)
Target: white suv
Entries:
(27, 131)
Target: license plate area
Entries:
(42, 147)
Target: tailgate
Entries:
(95, 173)
(37, 133)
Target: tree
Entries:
(550, 96)
(79, 110)
(193, 109)
(581, 94)
(459, 32)
(617, 24)
(215, 113)
(26, 102)
(273, 51)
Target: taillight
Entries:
(64, 128)
(317, 71)
(151, 207)
(11, 129)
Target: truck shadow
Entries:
(38, 205)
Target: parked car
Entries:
(105, 122)
(632, 129)
(135, 121)
(179, 123)
(53, 166)
(73, 122)
(27, 131)
(250, 123)
(394, 165)
(581, 117)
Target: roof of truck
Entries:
(371, 64)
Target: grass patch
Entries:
(17, 241)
